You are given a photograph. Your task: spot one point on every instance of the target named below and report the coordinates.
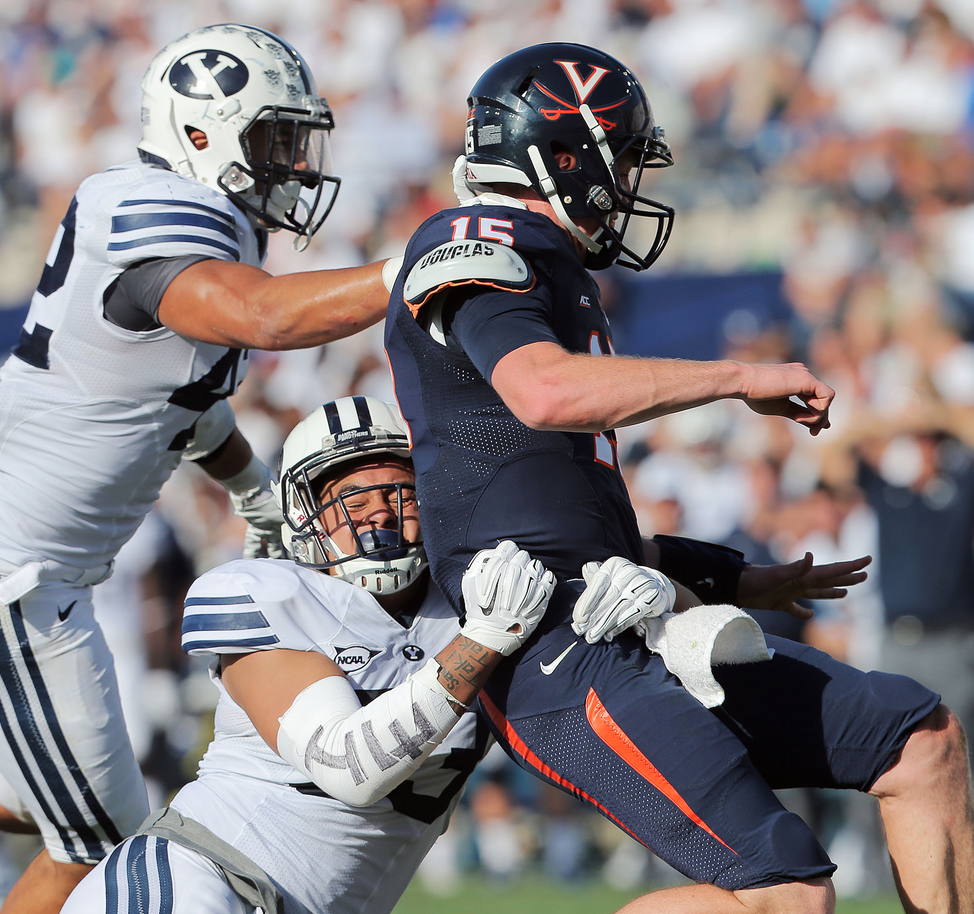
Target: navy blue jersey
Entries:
(481, 474)
(606, 722)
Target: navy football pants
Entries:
(612, 726)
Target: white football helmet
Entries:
(335, 433)
(252, 94)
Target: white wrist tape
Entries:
(251, 479)
(429, 675)
(358, 754)
(390, 272)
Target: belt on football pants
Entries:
(245, 877)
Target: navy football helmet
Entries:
(552, 98)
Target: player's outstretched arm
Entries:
(549, 388)
(233, 304)
(303, 706)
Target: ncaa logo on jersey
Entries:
(413, 652)
(208, 75)
(353, 659)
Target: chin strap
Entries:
(598, 134)
(550, 190)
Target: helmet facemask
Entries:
(604, 186)
(614, 207)
(287, 181)
(384, 560)
(333, 443)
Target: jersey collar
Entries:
(491, 199)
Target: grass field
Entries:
(539, 896)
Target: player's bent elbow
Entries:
(355, 753)
(357, 797)
(542, 386)
(530, 415)
(535, 402)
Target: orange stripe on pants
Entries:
(615, 738)
(503, 725)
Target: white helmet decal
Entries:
(208, 75)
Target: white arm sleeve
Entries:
(358, 754)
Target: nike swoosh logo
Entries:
(63, 614)
(549, 668)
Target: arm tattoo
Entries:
(465, 663)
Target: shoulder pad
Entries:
(460, 262)
(240, 606)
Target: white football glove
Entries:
(505, 594)
(262, 512)
(460, 186)
(617, 595)
(254, 500)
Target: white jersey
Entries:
(324, 856)
(94, 418)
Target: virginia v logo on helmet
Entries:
(236, 108)
(552, 98)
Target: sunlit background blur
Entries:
(824, 188)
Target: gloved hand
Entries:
(260, 507)
(505, 594)
(617, 595)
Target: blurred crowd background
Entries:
(824, 188)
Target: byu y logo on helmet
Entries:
(236, 108)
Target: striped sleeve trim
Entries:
(235, 646)
(135, 221)
(163, 241)
(219, 601)
(189, 204)
(230, 622)
(171, 228)
(209, 628)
